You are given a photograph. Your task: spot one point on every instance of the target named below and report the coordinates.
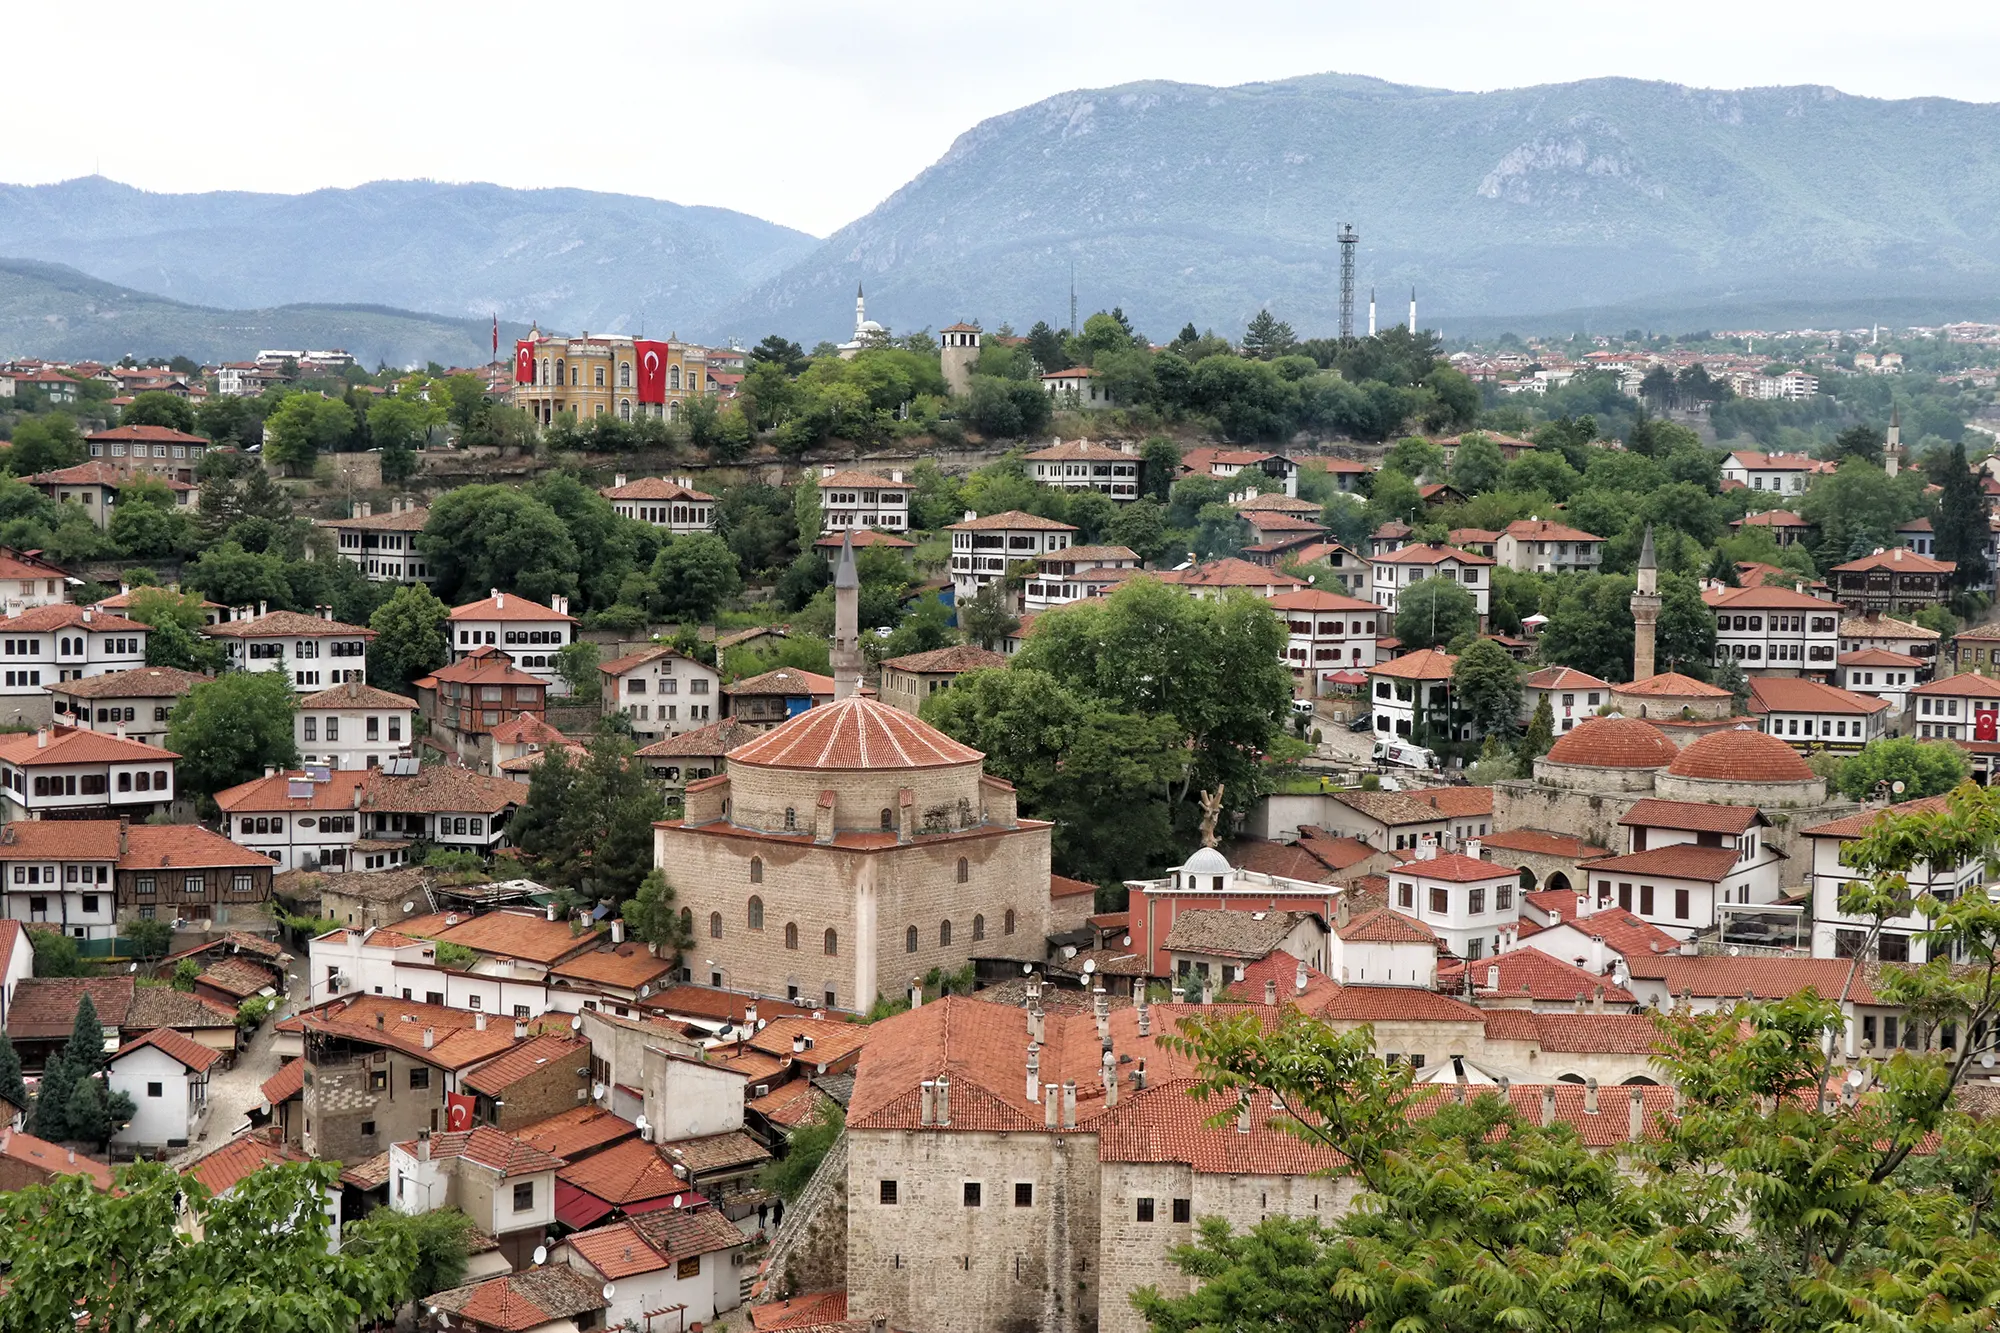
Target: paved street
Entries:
(234, 1092)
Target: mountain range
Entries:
(1605, 203)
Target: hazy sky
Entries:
(810, 114)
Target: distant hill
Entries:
(572, 259)
(53, 311)
(1180, 202)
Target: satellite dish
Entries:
(677, 1201)
(597, 1092)
(409, 907)
(1027, 969)
(132, 967)
(1089, 966)
(1128, 939)
(576, 1024)
(763, 1023)
(1987, 1060)
(541, 1255)
(1856, 1078)
(1896, 787)
(640, 1124)
(443, 1318)
(609, 1291)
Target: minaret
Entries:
(1371, 312)
(1645, 610)
(1413, 310)
(1892, 449)
(860, 312)
(846, 622)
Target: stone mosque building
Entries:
(851, 850)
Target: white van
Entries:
(1404, 754)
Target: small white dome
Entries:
(1207, 861)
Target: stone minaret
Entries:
(846, 622)
(1892, 449)
(1645, 610)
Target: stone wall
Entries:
(809, 1248)
(554, 1088)
(339, 1099)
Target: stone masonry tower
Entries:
(959, 353)
(1645, 610)
(846, 622)
(1892, 448)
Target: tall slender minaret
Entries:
(1413, 310)
(846, 622)
(1645, 610)
(1892, 448)
(860, 311)
(1371, 312)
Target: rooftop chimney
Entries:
(618, 479)
(42, 738)
(479, 1021)
(1590, 1096)
(1548, 1105)
(750, 1015)
(1493, 976)
(1139, 1077)
(520, 1029)
(423, 1145)
(916, 995)
(1270, 990)
(927, 1102)
(617, 930)
(1051, 1105)
(430, 1038)
(1069, 1104)
(1110, 1077)
(1034, 1071)
(798, 1043)
(1243, 1112)
(549, 911)
(1637, 1129)
(944, 1099)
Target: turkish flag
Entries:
(1986, 726)
(457, 1112)
(524, 362)
(652, 371)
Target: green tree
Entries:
(1268, 337)
(1860, 441)
(1486, 687)
(653, 916)
(1590, 627)
(588, 827)
(129, 1258)
(13, 1088)
(1141, 527)
(1073, 760)
(1962, 521)
(1159, 468)
(1394, 499)
(576, 663)
(1434, 611)
(538, 825)
(442, 1242)
(1046, 346)
(159, 408)
(56, 954)
(1537, 739)
(483, 537)
(303, 427)
(807, 514)
(779, 351)
(695, 575)
(1925, 768)
(985, 617)
(149, 937)
(230, 729)
(45, 443)
(1477, 464)
(186, 972)
(1685, 633)
(411, 636)
(1416, 457)
(805, 1148)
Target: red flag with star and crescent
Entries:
(457, 1112)
(496, 335)
(524, 362)
(652, 370)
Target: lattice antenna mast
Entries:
(1348, 239)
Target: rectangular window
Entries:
(888, 1191)
(1024, 1194)
(1680, 904)
(156, 1090)
(1143, 1211)
(972, 1194)
(1406, 894)
(524, 1196)
(378, 1081)
(1645, 900)
(420, 1078)
(1475, 901)
(1183, 1210)
(1440, 901)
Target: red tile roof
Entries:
(1796, 694)
(46, 1007)
(489, 1147)
(785, 681)
(1230, 572)
(1562, 678)
(483, 666)
(149, 434)
(1964, 685)
(1082, 451)
(1672, 685)
(286, 1084)
(382, 1020)
(1014, 520)
(1681, 860)
(62, 615)
(854, 733)
(959, 657)
(517, 1302)
(653, 488)
(524, 1060)
(865, 538)
(1740, 755)
(139, 683)
(629, 1172)
(180, 846)
(1535, 974)
(1881, 657)
(1900, 559)
(1719, 977)
(508, 606)
(1691, 816)
(1613, 742)
(220, 1170)
(1454, 868)
(655, 1241)
(189, 1052)
(1385, 925)
(1581, 1034)
(1537, 842)
(626, 966)
(1430, 555)
(1853, 826)
(1458, 802)
(52, 1159)
(1624, 933)
(527, 935)
(866, 481)
(96, 473)
(801, 1312)
(1063, 887)
(1424, 664)
(355, 695)
(1547, 530)
(287, 625)
(577, 1133)
(72, 745)
(526, 729)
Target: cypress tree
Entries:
(13, 1088)
(1961, 521)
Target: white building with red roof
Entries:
(1880, 674)
(1785, 474)
(1466, 902)
(1839, 934)
(1775, 631)
(312, 819)
(1411, 695)
(1080, 465)
(1543, 546)
(1574, 696)
(1964, 709)
(661, 692)
(850, 500)
(60, 772)
(672, 505)
(1785, 527)
(94, 487)
(1394, 571)
(984, 549)
(383, 546)
(528, 633)
(354, 726)
(1224, 462)
(1813, 716)
(1077, 390)
(1897, 581)
(27, 581)
(137, 703)
(166, 1076)
(49, 644)
(313, 651)
(681, 1259)
(1330, 639)
(1077, 573)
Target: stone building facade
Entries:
(849, 851)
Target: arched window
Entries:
(756, 912)
(560, 371)
(1007, 923)
(624, 409)
(791, 934)
(673, 411)
(756, 871)
(978, 928)
(624, 374)
(832, 945)
(674, 379)
(687, 921)
(964, 870)
(715, 925)
(888, 819)
(944, 934)
(910, 940)
(791, 819)
(576, 377)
